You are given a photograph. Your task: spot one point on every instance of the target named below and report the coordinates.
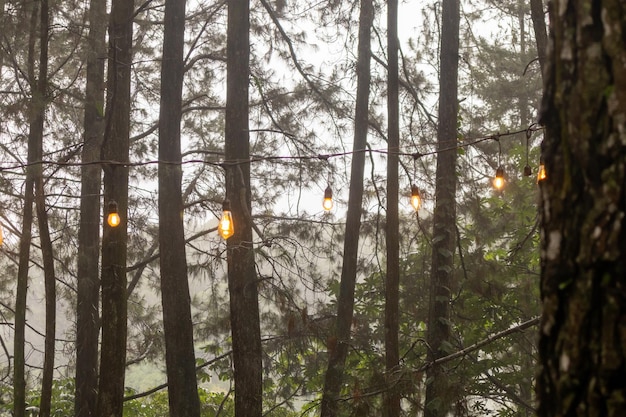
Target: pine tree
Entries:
(581, 354)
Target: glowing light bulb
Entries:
(1, 236)
(113, 219)
(542, 175)
(226, 227)
(498, 181)
(416, 199)
(328, 199)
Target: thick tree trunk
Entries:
(114, 239)
(392, 283)
(88, 296)
(242, 280)
(339, 340)
(438, 394)
(179, 350)
(583, 288)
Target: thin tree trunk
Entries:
(583, 247)
(44, 231)
(539, 26)
(50, 291)
(392, 229)
(88, 297)
(35, 135)
(2, 29)
(439, 397)
(339, 341)
(114, 239)
(242, 280)
(179, 350)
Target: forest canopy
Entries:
(169, 113)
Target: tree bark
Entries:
(438, 394)
(114, 239)
(339, 339)
(583, 211)
(242, 280)
(88, 287)
(391, 398)
(179, 349)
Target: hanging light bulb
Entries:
(113, 218)
(328, 199)
(528, 171)
(541, 174)
(226, 228)
(498, 181)
(1, 236)
(416, 198)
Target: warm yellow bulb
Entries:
(542, 175)
(328, 199)
(1, 236)
(226, 228)
(498, 181)
(416, 199)
(113, 219)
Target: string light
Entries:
(328, 199)
(64, 162)
(498, 181)
(527, 169)
(226, 227)
(113, 218)
(1, 236)
(416, 198)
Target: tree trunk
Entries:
(438, 394)
(179, 350)
(339, 340)
(88, 297)
(392, 229)
(38, 85)
(2, 29)
(115, 149)
(50, 294)
(583, 292)
(539, 26)
(44, 231)
(242, 280)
